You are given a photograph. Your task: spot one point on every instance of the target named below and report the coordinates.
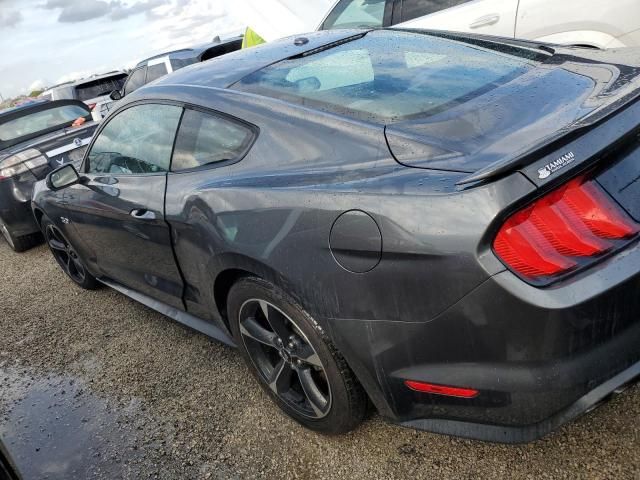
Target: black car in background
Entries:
(152, 68)
(35, 139)
(443, 224)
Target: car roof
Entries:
(224, 71)
(188, 53)
(82, 81)
(59, 85)
(93, 78)
(24, 106)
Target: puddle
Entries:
(54, 428)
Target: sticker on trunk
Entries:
(553, 167)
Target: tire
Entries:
(302, 365)
(19, 244)
(66, 256)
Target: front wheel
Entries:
(66, 256)
(294, 359)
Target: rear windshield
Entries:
(393, 75)
(98, 88)
(41, 121)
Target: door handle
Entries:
(486, 21)
(143, 214)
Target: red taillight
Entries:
(549, 237)
(441, 389)
(603, 217)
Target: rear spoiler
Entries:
(610, 125)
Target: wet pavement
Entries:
(56, 429)
(94, 385)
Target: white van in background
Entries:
(591, 23)
(94, 91)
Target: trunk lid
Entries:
(59, 147)
(67, 146)
(511, 125)
(622, 180)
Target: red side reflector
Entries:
(549, 237)
(441, 389)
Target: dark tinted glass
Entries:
(392, 75)
(205, 139)
(40, 121)
(178, 63)
(98, 88)
(156, 71)
(135, 81)
(417, 8)
(138, 140)
(355, 14)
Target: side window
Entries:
(136, 141)
(355, 14)
(419, 8)
(156, 71)
(204, 139)
(135, 80)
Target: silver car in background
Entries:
(94, 91)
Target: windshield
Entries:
(41, 121)
(393, 75)
(98, 88)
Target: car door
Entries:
(117, 213)
(488, 17)
(208, 143)
(573, 21)
(359, 13)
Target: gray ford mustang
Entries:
(443, 225)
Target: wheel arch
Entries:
(232, 267)
(222, 286)
(583, 38)
(237, 267)
(38, 213)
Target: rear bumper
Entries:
(528, 433)
(539, 357)
(15, 205)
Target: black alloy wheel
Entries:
(67, 257)
(285, 358)
(293, 358)
(65, 254)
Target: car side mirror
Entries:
(63, 177)
(115, 95)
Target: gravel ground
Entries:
(94, 385)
